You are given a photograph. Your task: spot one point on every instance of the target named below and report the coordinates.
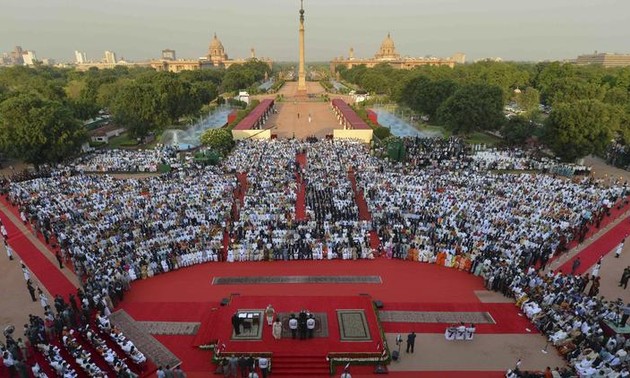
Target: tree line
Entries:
(574, 110)
(42, 108)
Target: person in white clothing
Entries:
(619, 248)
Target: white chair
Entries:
(461, 333)
(470, 333)
(449, 333)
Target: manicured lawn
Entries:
(122, 140)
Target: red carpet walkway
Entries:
(45, 271)
(615, 212)
(300, 201)
(364, 212)
(600, 247)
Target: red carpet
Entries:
(300, 201)
(222, 328)
(395, 274)
(242, 186)
(193, 359)
(169, 297)
(375, 242)
(600, 247)
(364, 212)
(46, 272)
(615, 212)
(168, 311)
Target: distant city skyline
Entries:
(140, 29)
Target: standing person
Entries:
(619, 248)
(269, 313)
(9, 362)
(302, 318)
(624, 278)
(168, 372)
(59, 259)
(43, 299)
(596, 268)
(160, 373)
(31, 290)
(25, 271)
(310, 325)
(236, 324)
(178, 372)
(411, 341)
(4, 232)
(276, 329)
(9, 250)
(251, 364)
(576, 264)
(263, 364)
(293, 326)
(233, 366)
(243, 366)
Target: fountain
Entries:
(189, 138)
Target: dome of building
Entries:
(216, 44)
(387, 50)
(216, 51)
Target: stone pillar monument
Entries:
(301, 74)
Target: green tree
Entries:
(472, 108)
(137, 107)
(529, 99)
(374, 82)
(574, 130)
(617, 96)
(219, 140)
(517, 130)
(39, 130)
(433, 95)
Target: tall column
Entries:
(301, 73)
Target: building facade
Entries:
(388, 54)
(604, 59)
(80, 57)
(110, 57)
(216, 57)
(29, 57)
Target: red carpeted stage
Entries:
(345, 325)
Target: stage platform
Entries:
(350, 325)
(344, 325)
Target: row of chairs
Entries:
(460, 332)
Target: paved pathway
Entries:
(289, 125)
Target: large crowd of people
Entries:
(442, 205)
(128, 161)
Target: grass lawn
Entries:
(119, 141)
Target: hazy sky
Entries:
(140, 29)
